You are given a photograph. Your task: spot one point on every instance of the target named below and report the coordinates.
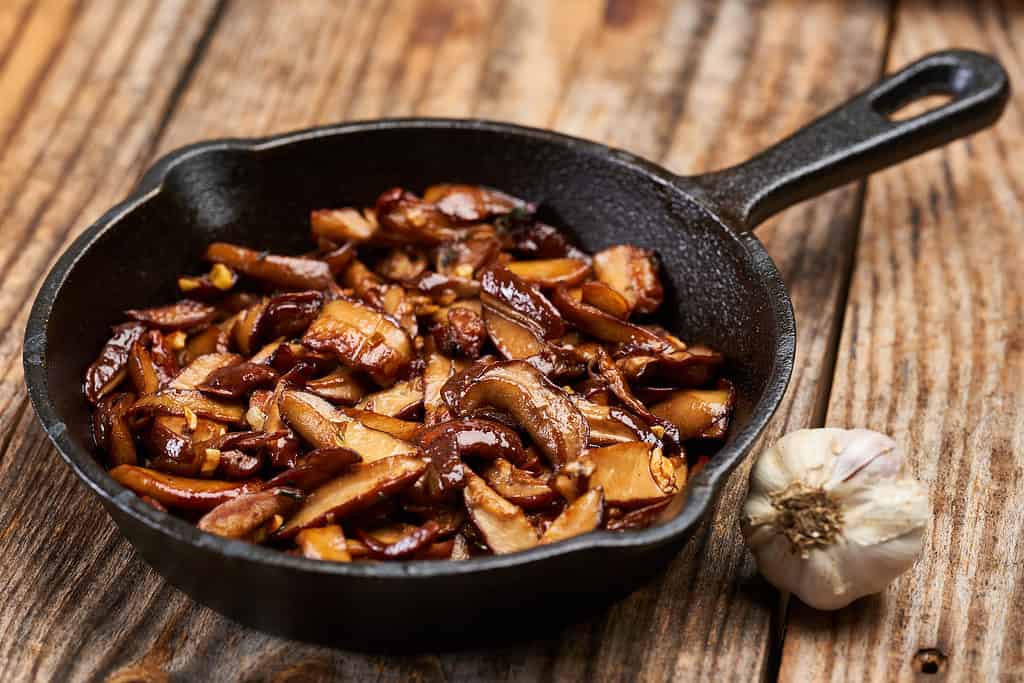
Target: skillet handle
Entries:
(858, 138)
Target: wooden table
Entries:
(908, 294)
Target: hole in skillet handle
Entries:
(925, 91)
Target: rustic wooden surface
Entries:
(928, 329)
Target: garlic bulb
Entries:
(832, 515)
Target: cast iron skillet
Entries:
(723, 289)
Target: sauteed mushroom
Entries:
(437, 377)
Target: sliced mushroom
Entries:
(343, 385)
(439, 370)
(286, 272)
(182, 315)
(402, 264)
(111, 430)
(447, 443)
(170, 442)
(632, 474)
(142, 370)
(405, 218)
(641, 517)
(633, 273)
(517, 486)
(405, 430)
(242, 516)
(581, 516)
(374, 444)
(312, 418)
(289, 314)
(324, 543)
(529, 238)
(600, 295)
(462, 334)
(342, 225)
(503, 525)
(316, 468)
(360, 487)
(181, 493)
(363, 338)
(402, 398)
(464, 257)
(471, 203)
(237, 380)
(513, 297)
(698, 413)
(178, 401)
(606, 425)
(193, 374)
(597, 323)
(407, 545)
(513, 340)
(551, 272)
(694, 367)
(543, 410)
(111, 367)
(445, 289)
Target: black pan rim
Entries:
(701, 492)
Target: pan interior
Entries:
(262, 199)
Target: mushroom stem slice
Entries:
(312, 418)
(182, 493)
(581, 516)
(543, 410)
(107, 371)
(286, 272)
(503, 525)
(240, 517)
(178, 401)
(360, 487)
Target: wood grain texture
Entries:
(692, 84)
(932, 352)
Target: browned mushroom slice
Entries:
(465, 257)
(407, 545)
(314, 419)
(245, 332)
(111, 367)
(445, 288)
(401, 307)
(405, 218)
(517, 486)
(532, 239)
(324, 543)
(572, 479)
(360, 487)
(633, 273)
(462, 334)
(211, 340)
(551, 272)
(402, 398)
(597, 323)
(342, 385)
(182, 315)
(698, 413)
(609, 425)
(439, 370)
(316, 468)
(513, 341)
(178, 401)
(447, 443)
(632, 474)
(242, 516)
(170, 442)
(542, 409)
(286, 272)
(341, 225)
(363, 338)
(600, 295)
(513, 297)
(374, 444)
(503, 525)
(142, 370)
(364, 283)
(338, 259)
(180, 493)
(641, 517)
(406, 430)
(288, 315)
(111, 430)
(286, 356)
(193, 374)
(235, 381)
(471, 203)
(581, 516)
(694, 367)
(402, 264)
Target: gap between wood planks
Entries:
(779, 616)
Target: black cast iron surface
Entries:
(723, 290)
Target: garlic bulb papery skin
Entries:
(832, 515)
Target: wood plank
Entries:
(933, 353)
(84, 89)
(695, 85)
